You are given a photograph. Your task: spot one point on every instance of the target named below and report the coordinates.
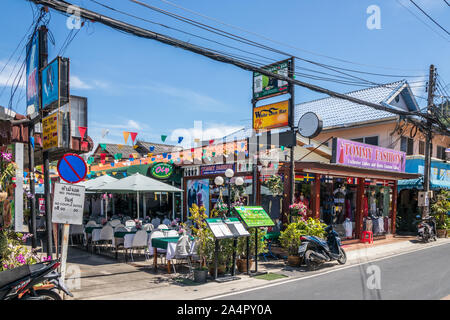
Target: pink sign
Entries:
(356, 154)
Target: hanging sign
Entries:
(68, 204)
(55, 83)
(51, 127)
(161, 170)
(265, 87)
(72, 168)
(32, 75)
(271, 116)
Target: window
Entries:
(407, 145)
(367, 140)
(422, 147)
(440, 154)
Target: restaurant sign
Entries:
(216, 169)
(162, 170)
(356, 154)
(271, 116)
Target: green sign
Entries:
(162, 170)
(254, 217)
(265, 87)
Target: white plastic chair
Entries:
(183, 251)
(162, 226)
(76, 230)
(119, 226)
(106, 235)
(156, 234)
(140, 241)
(172, 233)
(156, 222)
(148, 227)
(91, 223)
(130, 223)
(114, 223)
(166, 222)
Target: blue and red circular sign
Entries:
(72, 168)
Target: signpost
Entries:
(224, 229)
(254, 217)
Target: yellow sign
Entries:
(50, 129)
(271, 116)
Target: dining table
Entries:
(169, 245)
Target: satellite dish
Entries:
(310, 125)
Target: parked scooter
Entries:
(316, 251)
(426, 229)
(38, 281)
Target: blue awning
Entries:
(418, 184)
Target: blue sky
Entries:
(140, 85)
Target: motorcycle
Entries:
(426, 229)
(38, 281)
(316, 251)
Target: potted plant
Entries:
(8, 170)
(241, 251)
(200, 274)
(441, 208)
(290, 237)
(199, 231)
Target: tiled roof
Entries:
(159, 148)
(339, 112)
(125, 150)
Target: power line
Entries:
(435, 22)
(417, 17)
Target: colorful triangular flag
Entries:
(125, 136)
(163, 138)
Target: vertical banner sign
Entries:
(32, 74)
(18, 192)
(50, 83)
(68, 204)
(50, 130)
(265, 87)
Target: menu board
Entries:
(236, 227)
(219, 228)
(254, 217)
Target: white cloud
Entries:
(77, 83)
(133, 124)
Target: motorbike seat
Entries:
(12, 275)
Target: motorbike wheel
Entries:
(343, 258)
(310, 264)
(48, 295)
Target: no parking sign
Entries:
(72, 168)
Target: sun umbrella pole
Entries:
(137, 202)
(173, 205)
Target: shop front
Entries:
(354, 192)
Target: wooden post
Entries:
(65, 245)
(394, 207)
(359, 208)
(315, 197)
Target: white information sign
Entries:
(68, 204)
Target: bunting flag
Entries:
(282, 148)
(125, 136)
(169, 157)
(135, 146)
(180, 139)
(192, 150)
(164, 155)
(120, 146)
(114, 173)
(152, 148)
(25, 174)
(124, 174)
(104, 132)
(112, 164)
(163, 138)
(32, 142)
(133, 136)
(82, 131)
(84, 144)
(153, 159)
(149, 155)
(103, 146)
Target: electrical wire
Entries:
(435, 22)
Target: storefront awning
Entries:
(349, 171)
(418, 184)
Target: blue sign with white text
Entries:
(50, 83)
(32, 73)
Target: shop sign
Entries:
(68, 204)
(254, 216)
(55, 83)
(51, 126)
(265, 87)
(356, 154)
(216, 169)
(162, 170)
(275, 115)
(32, 74)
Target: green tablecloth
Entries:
(162, 243)
(271, 235)
(89, 229)
(121, 234)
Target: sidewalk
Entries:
(105, 278)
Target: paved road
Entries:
(423, 274)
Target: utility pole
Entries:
(32, 186)
(292, 125)
(428, 140)
(43, 60)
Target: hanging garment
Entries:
(348, 209)
(386, 224)
(376, 226)
(348, 228)
(366, 207)
(369, 225)
(381, 224)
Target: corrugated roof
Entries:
(125, 150)
(158, 147)
(339, 112)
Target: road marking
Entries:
(318, 274)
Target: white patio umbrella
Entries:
(93, 184)
(138, 183)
